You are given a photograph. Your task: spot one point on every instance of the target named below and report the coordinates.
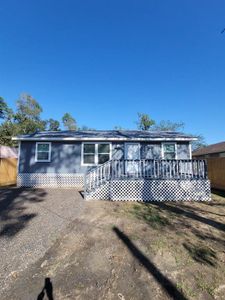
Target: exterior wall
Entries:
(183, 151)
(8, 152)
(118, 151)
(154, 150)
(66, 156)
(65, 169)
(151, 151)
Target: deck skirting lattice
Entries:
(50, 180)
(125, 190)
(153, 190)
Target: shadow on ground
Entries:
(190, 214)
(201, 254)
(219, 193)
(178, 218)
(13, 211)
(46, 290)
(165, 283)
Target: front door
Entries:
(132, 157)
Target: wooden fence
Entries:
(216, 172)
(8, 171)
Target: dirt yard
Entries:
(116, 250)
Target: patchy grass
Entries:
(191, 234)
(204, 285)
(201, 253)
(150, 215)
(126, 250)
(186, 289)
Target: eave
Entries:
(180, 139)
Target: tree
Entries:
(173, 126)
(85, 128)
(28, 107)
(200, 143)
(53, 125)
(27, 116)
(69, 122)
(5, 111)
(27, 119)
(144, 121)
(8, 129)
(166, 125)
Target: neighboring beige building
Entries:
(8, 152)
(215, 157)
(214, 150)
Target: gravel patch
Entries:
(31, 220)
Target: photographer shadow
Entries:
(47, 289)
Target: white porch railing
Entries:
(145, 168)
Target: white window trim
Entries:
(18, 160)
(50, 152)
(162, 148)
(139, 149)
(190, 151)
(96, 152)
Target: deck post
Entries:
(85, 185)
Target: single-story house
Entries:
(114, 164)
(214, 150)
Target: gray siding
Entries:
(118, 151)
(183, 151)
(151, 151)
(66, 156)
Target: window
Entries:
(169, 151)
(103, 153)
(89, 154)
(96, 153)
(43, 152)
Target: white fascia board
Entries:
(101, 139)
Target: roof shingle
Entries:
(214, 148)
(106, 134)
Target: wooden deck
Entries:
(148, 180)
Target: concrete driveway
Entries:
(31, 220)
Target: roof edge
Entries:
(103, 139)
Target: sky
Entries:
(104, 61)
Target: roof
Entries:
(8, 152)
(110, 135)
(214, 148)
